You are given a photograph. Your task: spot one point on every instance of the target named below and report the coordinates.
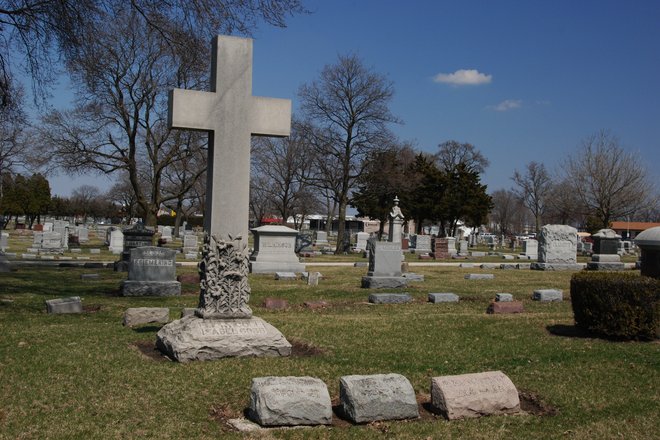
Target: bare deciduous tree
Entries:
(452, 153)
(349, 103)
(610, 182)
(533, 188)
(503, 214)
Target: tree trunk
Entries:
(341, 226)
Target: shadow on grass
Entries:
(147, 329)
(568, 331)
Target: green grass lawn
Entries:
(86, 376)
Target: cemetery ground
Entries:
(87, 376)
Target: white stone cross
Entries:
(231, 115)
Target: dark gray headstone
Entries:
(151, 263)
(376, 397)
(443, 297)
(389, 298)
(64, 305)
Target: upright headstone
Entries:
(649, 242)
(321, 238)
(190, 245)
(451, 245)
(422, 244)
(606, 248)
(384, 266)
(151, 272)
(441, 248)
(52, 242)
(361, 241)
(396, 223)
(83, 234)
(531, 249)
(166, 234)
(557, 248)
(463, 248)
(274, 250)
(116, 241)
(4, 241)
(134, 237)
(223, 324)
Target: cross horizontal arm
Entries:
(270, 117)
(192, 109)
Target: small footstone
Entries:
(285, 276)
(146, 315)
(545, 295)
(276, 303)
(193, 338)
(89, 276)
(505, 307)
(503, 297)
(489, 266)
(64, 305)
(466, 265)
(389, 298)
(508, 266)
(479, 276)
(376, 397)
(443, 297)
(290, 401)
(478, 254)
(474, 395)
(523, 265)
(361, 264)
(410, 276)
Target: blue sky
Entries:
(535, 77)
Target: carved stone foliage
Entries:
(224, 287)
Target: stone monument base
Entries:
(556, 266)
(196, 339)
(597, 265)
(383, 282)
(276, 266)
(150, 288)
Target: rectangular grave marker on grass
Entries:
(376, 397)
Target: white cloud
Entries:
(506, 105)
(463, 77)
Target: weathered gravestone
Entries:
(132, 238)
(274, 250)
(190, 245)
(290, 401)
(321, 238)
(223, 324)
(441, 248)
(422, 244)
(135, 316)
(605, 251)
(557, 248)
(649, 242)
(530, 249)
(116, 241)
(390, 298)
(384, 266)
(151, 272)
(474, 395)
(377, 397)
(4, 241)
(443, 297)
(304, 243)
(64, 305)
(166, 234)
(463, 248)
(361, 241)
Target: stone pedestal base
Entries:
(556, 266)
(375, 282)
(150, 288)
(196, 339)
(596, 265)
(276, 266)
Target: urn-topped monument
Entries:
(223, 324)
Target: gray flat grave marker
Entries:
(503, 297)
(64, 305)
(285, 276)
(376, 397)
(389, 298)
(443, 297)
(479, 276)
(290, 401)
(146, 315)
(545, 295)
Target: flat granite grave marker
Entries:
(443, 297)
(505, 307)
(135, 316)
(223, 325)
(72, 304)
(503, 297)
(389, 298)
(546, 295)
(290, 401)
(479, 276)
(474, 395)
(376, 397)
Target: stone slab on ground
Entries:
(597, 265)
(489, 266)
(410, 276)
(286, 276)
(89, 276)
(524, 265)
(376, 397)
(57, 306)
(466, 265)
(477, 254)
(188, 311)
(376, 282)
(508, 266)
(555, 266)
(361, 264)
(479, 276)
(276, 304)
(503, 297)
(193, 338)
(546, 295)
(290, 401)
(150, 288)
(389, 298)
(474, 395)
(505, 308)
(443, 297)
(135, 316)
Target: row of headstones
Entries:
(542, 295)
(121, 242)
(292, 401)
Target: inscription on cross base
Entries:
(231, 115)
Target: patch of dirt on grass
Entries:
(300, 348)
(149, 351)
(533, 404)
(91, 308)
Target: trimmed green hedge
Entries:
(617, 305)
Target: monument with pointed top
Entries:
(223, 324)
